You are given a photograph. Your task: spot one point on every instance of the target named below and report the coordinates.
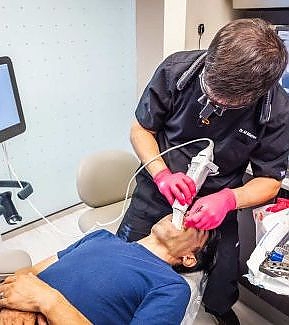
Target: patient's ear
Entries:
(189, 260)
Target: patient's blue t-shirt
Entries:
(112, 282)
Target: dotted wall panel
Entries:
(74, 63)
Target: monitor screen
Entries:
(283, 32)
(11, 116)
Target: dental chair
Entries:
(12, 260)
(102, 182)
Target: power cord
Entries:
(12, 172)
(97, 224)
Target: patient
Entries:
(101, 279)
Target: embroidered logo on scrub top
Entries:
(248, 134)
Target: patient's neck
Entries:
(156, 247)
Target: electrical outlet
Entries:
(201, 29)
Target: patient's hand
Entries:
(179, 242)
(27, 293)
(15, 317)
(41, 320)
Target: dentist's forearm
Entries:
(257, 191)
(146, 147)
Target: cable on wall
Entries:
(201, 30)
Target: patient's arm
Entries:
(37, 268)
(28, 293)
(12, 317)
(60, 312)
(164, 305)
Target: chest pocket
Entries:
(233, 152)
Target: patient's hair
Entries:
(206, 257)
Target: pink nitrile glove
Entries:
(209, 211)
(175, 186)
(281, 204)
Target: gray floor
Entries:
(40, 241)
(246, 315)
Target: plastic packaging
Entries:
(269, 263)
(259, 214)
(197, 282)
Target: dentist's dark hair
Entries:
(244, 60)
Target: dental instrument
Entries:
(200, 167)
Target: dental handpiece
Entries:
(200, 167)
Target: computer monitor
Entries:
(283, 32)
(11, 115)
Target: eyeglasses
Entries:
(205, 99)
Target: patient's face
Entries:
(179, 242)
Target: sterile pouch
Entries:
(197, 282)
(269, 263)
(259, 214)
